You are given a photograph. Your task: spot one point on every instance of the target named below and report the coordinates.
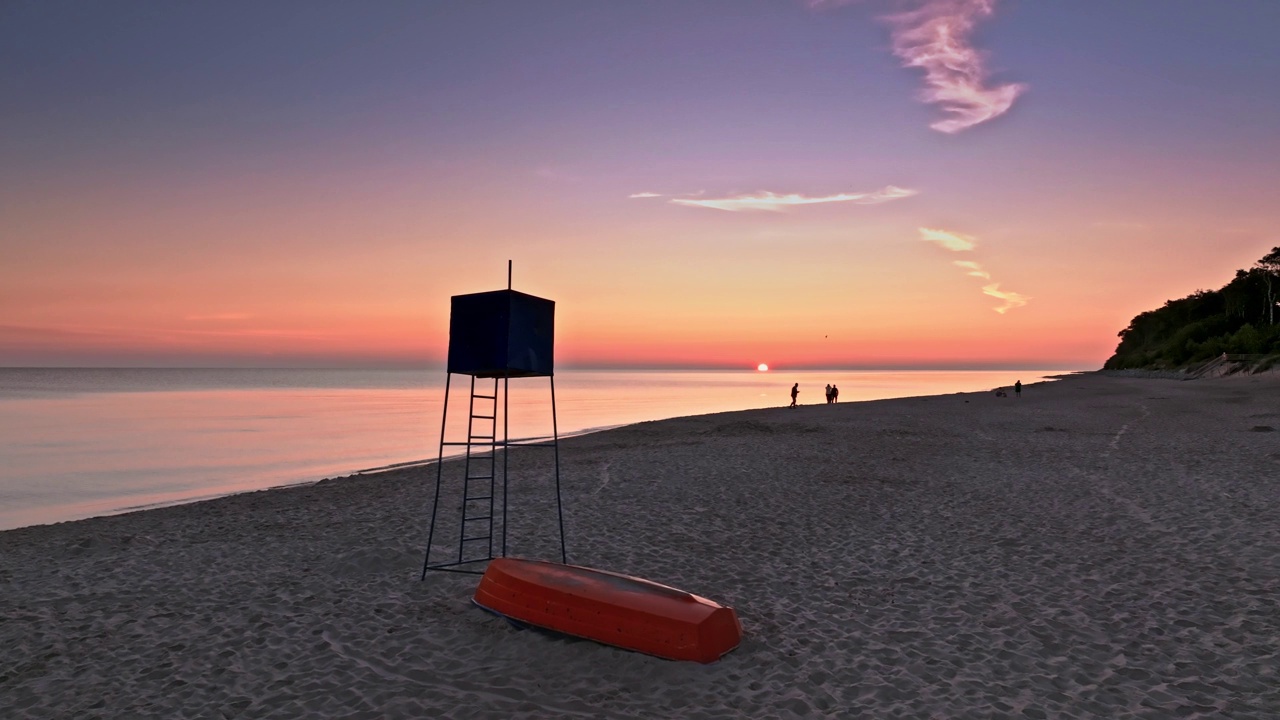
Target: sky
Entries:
(721, 183)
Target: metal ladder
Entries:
(479, 474)
(481, 519)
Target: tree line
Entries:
(1238, 319)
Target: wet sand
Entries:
(1099, 547)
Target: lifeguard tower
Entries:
(494, 336)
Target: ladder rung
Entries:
(486, 397)
(477, 517)
(482, 417)
(481, 437)
(478, 498)
(478, 537)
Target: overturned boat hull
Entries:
(610, 608)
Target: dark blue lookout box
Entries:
(500, 334)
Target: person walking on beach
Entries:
(1017, 389)
(835, 394)
(828, 393)
(795, 390)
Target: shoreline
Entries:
(141, 507)
(1101, 546)
(69, 507)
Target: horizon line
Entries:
(876, 367)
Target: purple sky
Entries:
(711, 182)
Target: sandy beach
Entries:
(1100, 547)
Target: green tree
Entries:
(1243, 297)
(1247, 340)
(1238, 318)
(1270, 267)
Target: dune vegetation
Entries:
(1238, 321)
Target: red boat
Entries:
(619, 610)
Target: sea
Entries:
(81, 442)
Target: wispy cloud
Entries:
(644, 195)
(959, 242)
(935, 36)
(974, 269)
(114, 334)
(773, 202)
(1011, 299)
(956, 242)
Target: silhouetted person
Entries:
(795, 390)
(835, 394)
(828, 393)
(1017, 389)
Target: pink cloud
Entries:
(953, 241)
(959, 242)
(769, 201)
(1011, 299)
(935, 36)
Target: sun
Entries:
(762, 367)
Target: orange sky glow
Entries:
(816, 197)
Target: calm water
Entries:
(76, 443)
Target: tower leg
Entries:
(555, 439)
(506, 451)
(435, 503)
